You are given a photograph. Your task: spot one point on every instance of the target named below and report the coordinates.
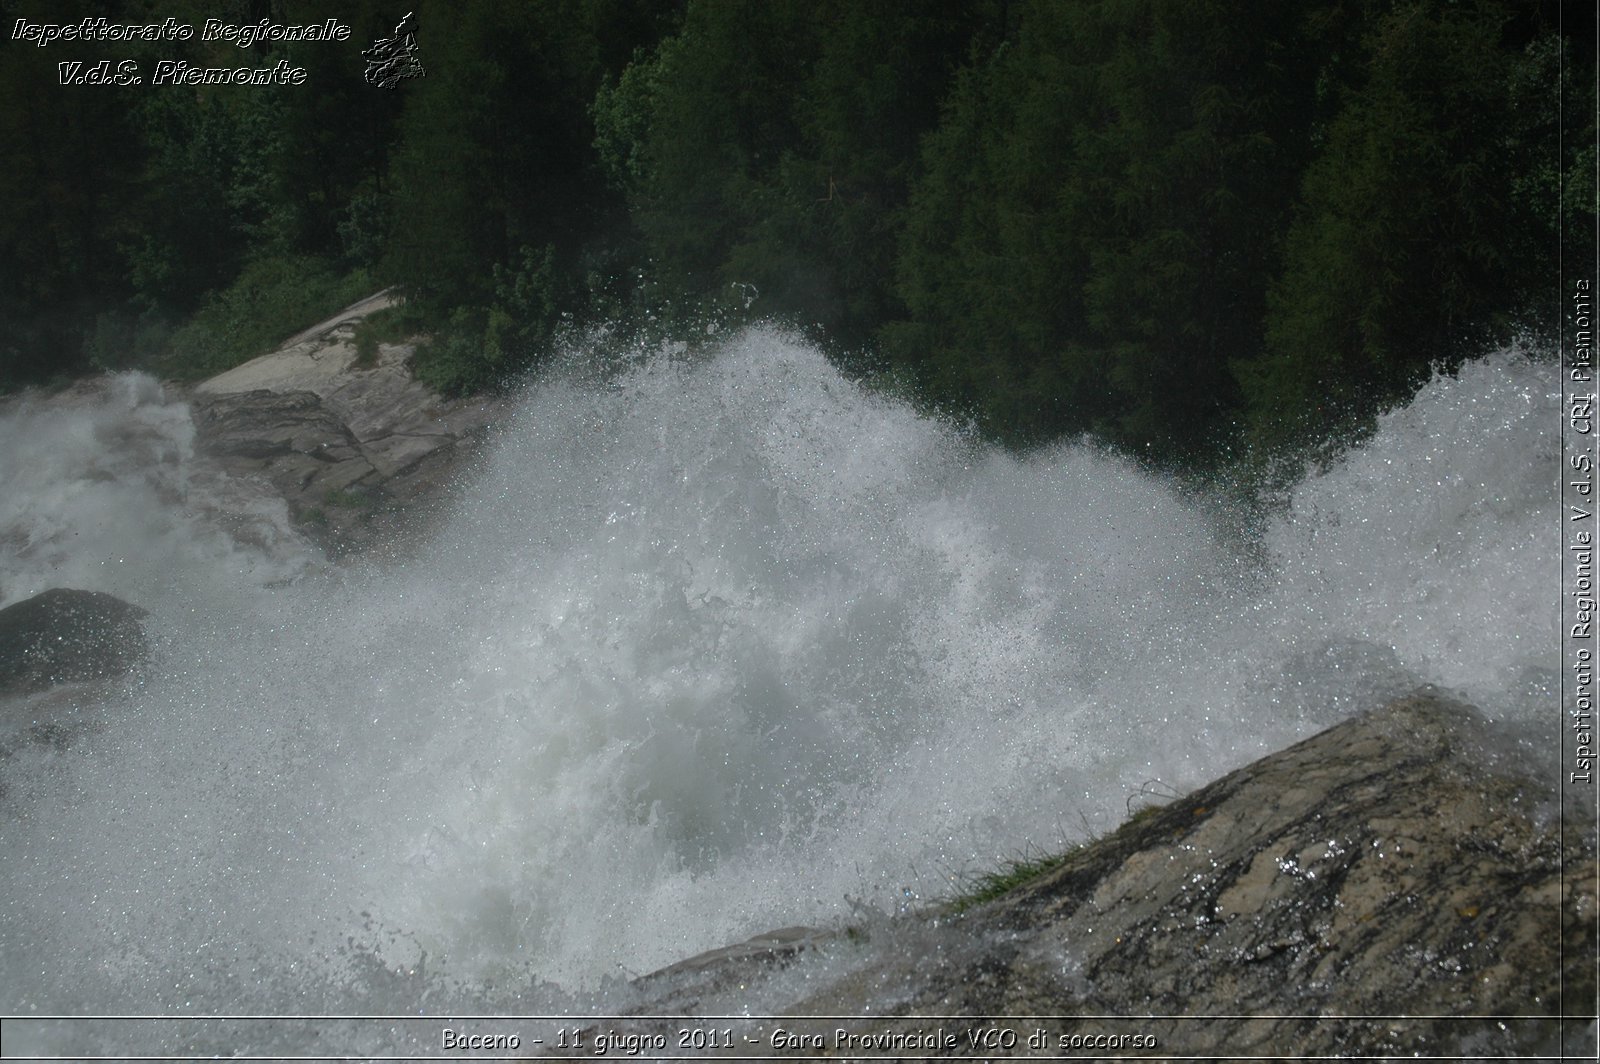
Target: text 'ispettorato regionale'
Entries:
(176, 72)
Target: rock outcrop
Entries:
(61, 636)
(1396, 885)
(350, 446)
(58, 652)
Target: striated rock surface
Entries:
(1396, 885)
(350, 446)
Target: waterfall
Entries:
(709, 646)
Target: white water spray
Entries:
(710, 648)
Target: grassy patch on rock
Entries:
(990, 885)
(987, 886)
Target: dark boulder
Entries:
(62, 635)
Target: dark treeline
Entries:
(1178, 224)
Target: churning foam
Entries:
(711, 646)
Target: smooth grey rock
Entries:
(1395, 885)
(61, 635)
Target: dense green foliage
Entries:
(1135, 162)
(1411, 233)
(1177, 224)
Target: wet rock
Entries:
(62, 636)
(683, 987)
(61, 652)
(1396, 885)
(263, 425)
(360, 451)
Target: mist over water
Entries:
(710, 647)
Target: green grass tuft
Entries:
(991, 885)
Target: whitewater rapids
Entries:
(709, 646)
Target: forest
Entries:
(1186, 227)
